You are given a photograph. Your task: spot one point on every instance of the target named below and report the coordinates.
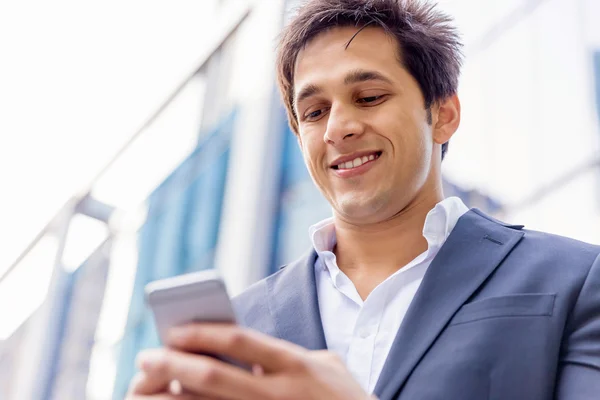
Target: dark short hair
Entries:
(429, 45)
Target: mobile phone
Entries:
(193, 297)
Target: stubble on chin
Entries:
(360, 206)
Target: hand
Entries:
(281, 370)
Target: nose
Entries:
(342, 124)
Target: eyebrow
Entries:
(362, 75)
(355, 76)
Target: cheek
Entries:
(313, 154)
(397, 131)
(408, 135)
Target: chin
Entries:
(360, 209)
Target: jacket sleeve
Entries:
(579, 368)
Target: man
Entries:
(413, 295)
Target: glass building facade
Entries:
(179, 235)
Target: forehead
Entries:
(326, 55)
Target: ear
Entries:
(446, 120)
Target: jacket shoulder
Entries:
(540, 239)
(255, 293)
(251, 304)
(252, 307)
(553, 263)
(557, 245)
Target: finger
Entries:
(245, 345)
(257, 370)
(202, 375)
(142, 384)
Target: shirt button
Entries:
(364, 333)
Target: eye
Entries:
(370, 100)
(314, 115)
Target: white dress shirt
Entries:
(362, 332)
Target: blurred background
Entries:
(145, 139)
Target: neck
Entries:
(370, 253)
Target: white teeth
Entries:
(357, 162)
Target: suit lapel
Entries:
(471, 253)
(294, 304)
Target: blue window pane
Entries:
(203, 212)
(180, 234)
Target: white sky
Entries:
(76, 80)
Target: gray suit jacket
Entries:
(502, 313)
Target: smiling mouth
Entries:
(357, 162)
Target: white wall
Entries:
(529, 112)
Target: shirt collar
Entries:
(441, 220)
(438, 224)
(322, 235)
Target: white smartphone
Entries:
(194, 297)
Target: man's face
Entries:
(363, 127)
